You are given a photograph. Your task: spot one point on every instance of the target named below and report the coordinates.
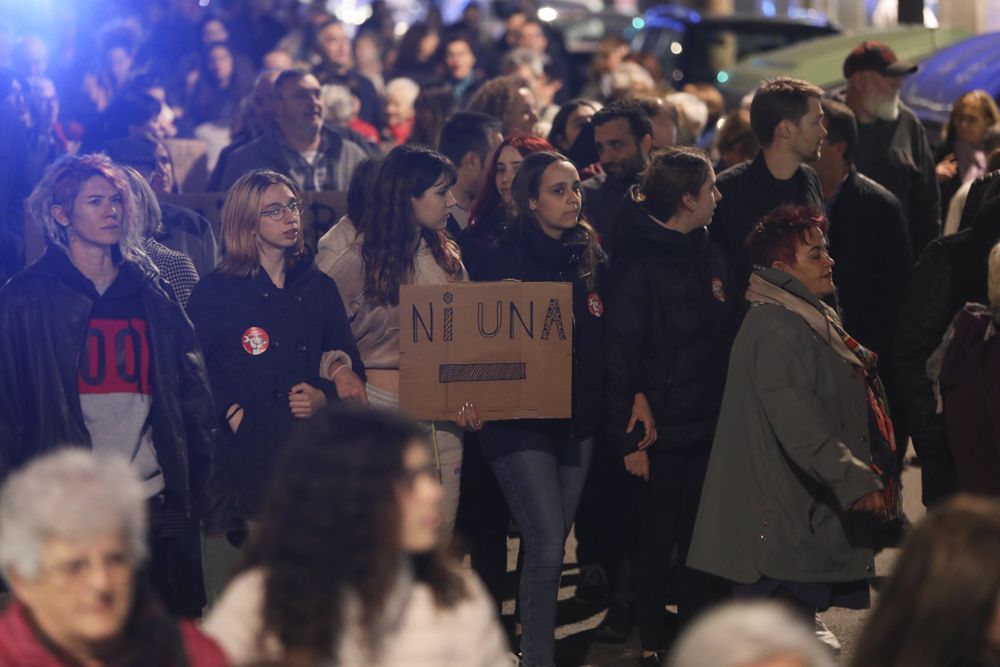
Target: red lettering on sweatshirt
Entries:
(115, 358)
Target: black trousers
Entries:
(668, 505)
(175, 560)
(606, 519)
(483, 519)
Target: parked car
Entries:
(944, 76)
(821, 60)
(694, 48)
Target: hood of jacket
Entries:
(56, 263)
(639, 234)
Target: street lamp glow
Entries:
(547, 14)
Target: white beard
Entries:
(883, 108)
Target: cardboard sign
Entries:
(322, 210)
(506, 346)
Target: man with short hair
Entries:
(871, 244)
(892, 145)
(868, 237)
(460, 63)
(623, 137)
(533, 37)
(297, 144)
(468, 139)
(46, 136)
(336, 66)
(786, 118)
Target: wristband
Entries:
(334, 374)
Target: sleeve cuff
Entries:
(330, 357)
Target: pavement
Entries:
(575, 645)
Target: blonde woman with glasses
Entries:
(277, 343)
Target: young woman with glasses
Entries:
(276, 339)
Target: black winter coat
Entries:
(951, 272)
(896, 155)
(531, 256)
(670, 325)
(750, 191)
(601, 198)
(298, 323)
(871, 245)
(44, 314)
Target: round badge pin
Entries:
(717, 290)
(255, 341)
(595, 305)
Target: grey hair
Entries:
(993, 287)
(742, 633)
(407, 89)
(70, 494)
(147, 209)
(337, 102)
(521, 57)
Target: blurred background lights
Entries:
(547, 14)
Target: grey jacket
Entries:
(270, 151)
(789, 457)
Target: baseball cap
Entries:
(876, 57)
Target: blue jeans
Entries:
(542, 476)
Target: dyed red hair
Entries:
(779, 234)
(488, 199)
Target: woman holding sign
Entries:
(541, 465)
(267, 321)
(402, 240)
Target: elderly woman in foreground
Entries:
(794, 488)
(72, 538)
(749, 634)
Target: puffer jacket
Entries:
(670, 324)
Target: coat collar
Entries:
(762, 176)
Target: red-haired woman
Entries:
(793, 489)
(488, 217)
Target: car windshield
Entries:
(707, 50)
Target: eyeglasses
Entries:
(277, 212)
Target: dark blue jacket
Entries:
(297, 323)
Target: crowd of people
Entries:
(768, 304)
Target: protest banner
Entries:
(506, 346)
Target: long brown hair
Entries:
(391, 231)
(488, 199)
(331, 532)
(940, 600)
(240, 218)
(526, 186)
